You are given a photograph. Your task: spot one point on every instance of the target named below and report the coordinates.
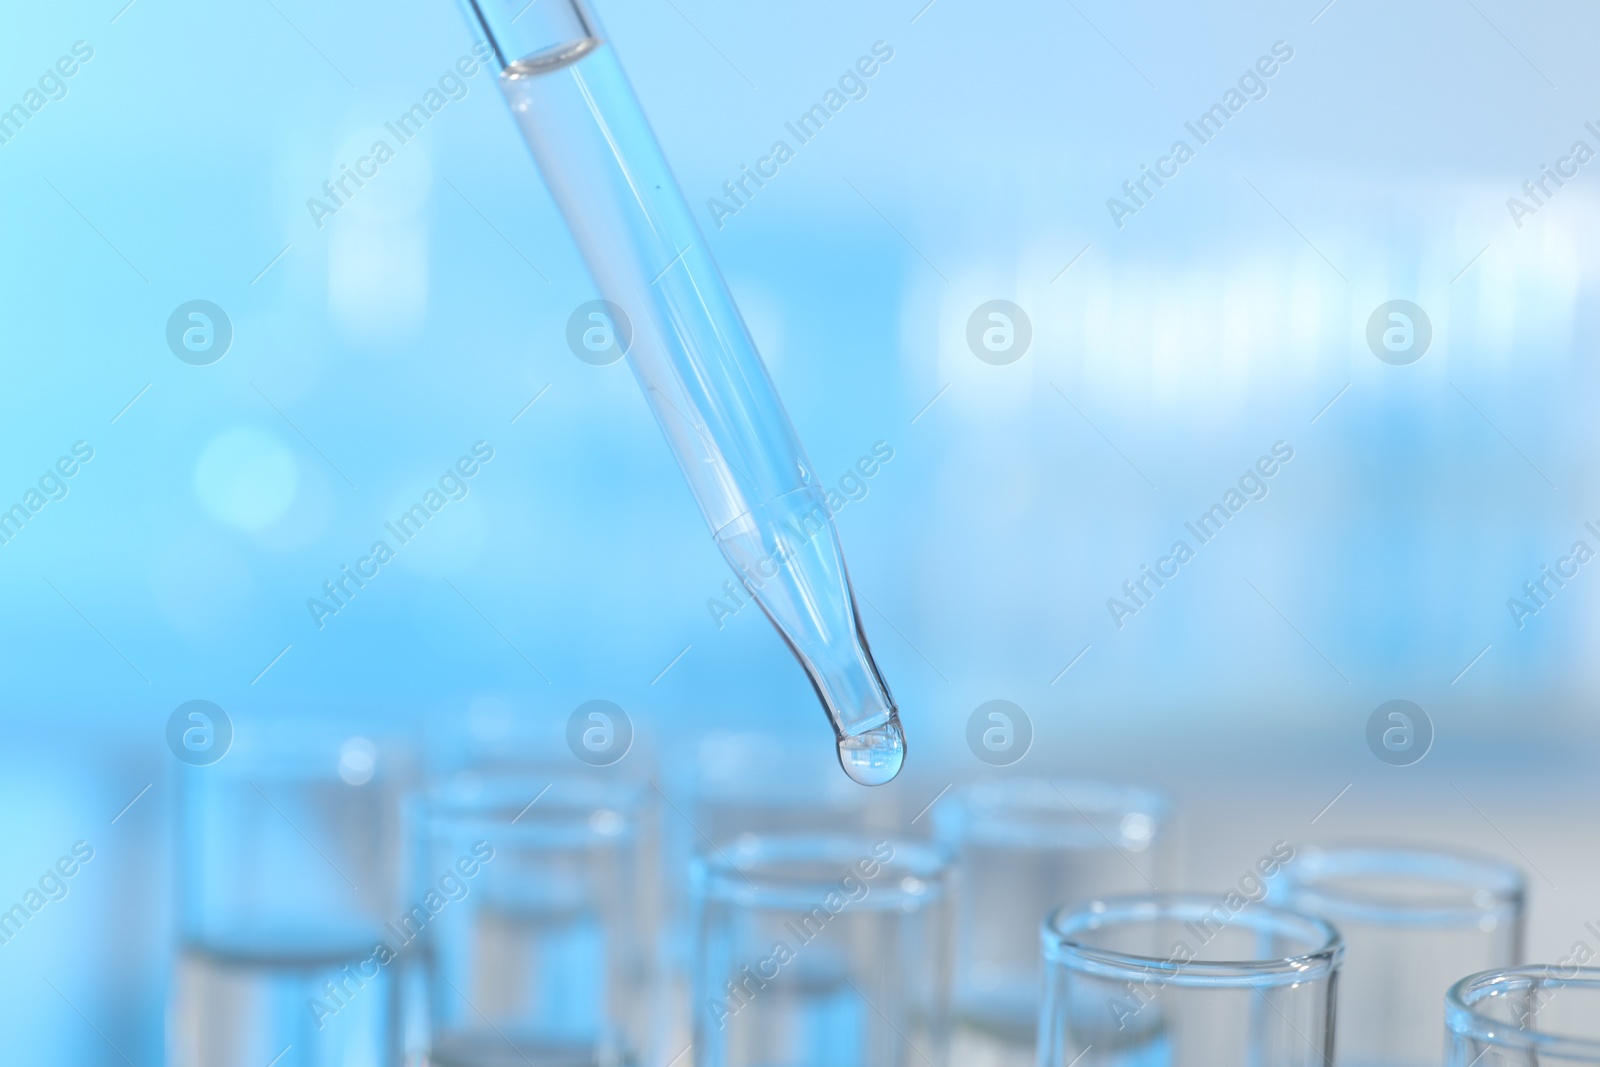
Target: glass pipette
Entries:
(692, 355)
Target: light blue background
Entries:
(422, 318)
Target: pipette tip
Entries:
(875, 756)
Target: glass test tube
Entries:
(721, 789)
(537, 954)
(821, 952)
(1020, 849)
(693, 356)
(1185, 981)
(288, 855)
(1413, 922)
(1524, 1017)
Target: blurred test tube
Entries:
(1414, 921)
(722, 790)
(288, 852)
(530, 897)
(1021, 849)
(821, 951)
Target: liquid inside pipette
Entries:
(787, 553)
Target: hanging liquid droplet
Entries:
(874, 757)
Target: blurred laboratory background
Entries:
(1200, 390)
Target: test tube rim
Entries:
(276, 942)
(514, 806)
(1059, 947)
(722, 880)
(1085, 796)
(1463, 1020)
(1503, 882)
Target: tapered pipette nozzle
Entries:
(875, 756)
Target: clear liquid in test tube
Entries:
(692, 356)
